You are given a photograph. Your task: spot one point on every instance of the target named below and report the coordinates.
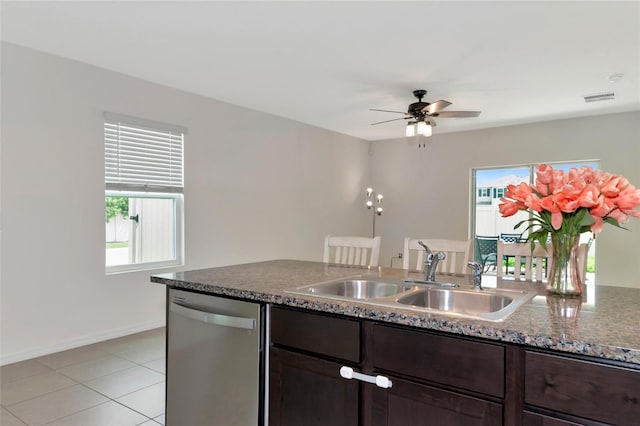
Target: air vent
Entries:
(601, 97)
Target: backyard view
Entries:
(139, 229)
(117, 230)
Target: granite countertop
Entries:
(605, 323)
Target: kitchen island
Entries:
(595, 339)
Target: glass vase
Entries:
(563, 273)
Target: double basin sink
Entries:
(424, 296)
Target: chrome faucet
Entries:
(431, 262)
(476, 269)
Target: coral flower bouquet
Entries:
(564, 205)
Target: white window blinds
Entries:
(142, 155)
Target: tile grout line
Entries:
(54, 420)
(46, 393)
(79, 411)
(15, 415)
(142, 414)
(109, 399)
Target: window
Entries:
(143, 194)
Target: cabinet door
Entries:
(304, 390)
(408, 403)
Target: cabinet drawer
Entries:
(581, 388)
(474, 366)
(320, 334)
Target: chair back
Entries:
(357, 251)
(486, 249)
(533, 261)
(457, 251)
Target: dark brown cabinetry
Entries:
(419, 363)
(308, 351)
(321, 334)
(437, 379)
(410, 403)
(305, 387)
(461, 363)
(589, 390)
(306, 390)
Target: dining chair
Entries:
(510, 238)
(486, 251)
(523, 256)
(457, 251)
(357, 251)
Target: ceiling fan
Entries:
(421, 114)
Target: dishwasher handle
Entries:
(211, 318)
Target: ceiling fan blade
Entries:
(386, 110)
(436, 106)
(386, 121)
(458, 114)
(431, 121)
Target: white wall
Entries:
(257, 187)
(427, 190)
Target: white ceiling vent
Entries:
(601, 97)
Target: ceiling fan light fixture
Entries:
(424, 129)
(411, 130)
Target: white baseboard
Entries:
(74, 343)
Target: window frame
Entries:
(170, 191)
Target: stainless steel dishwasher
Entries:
(215, 360)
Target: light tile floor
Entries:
(118, 382)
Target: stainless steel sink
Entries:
(421, 296)
(359, 289)
(487, 304)
(461, 301)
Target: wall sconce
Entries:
(374, 202)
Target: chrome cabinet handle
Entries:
(211, 318)
(380, 381)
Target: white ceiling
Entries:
(327, 63)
